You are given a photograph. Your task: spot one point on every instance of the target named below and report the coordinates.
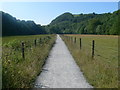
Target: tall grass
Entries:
(18, 72)
(102, 70)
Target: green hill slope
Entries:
(13, 26)
(93, 23)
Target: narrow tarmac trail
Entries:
(60, 70)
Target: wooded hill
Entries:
(66, 23)
(93, 23)
(13, 26)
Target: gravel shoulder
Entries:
(60, 70)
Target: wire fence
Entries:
(93, 47)
(21, 47)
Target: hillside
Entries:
(13, 26)
(93, 23)
(66, 23)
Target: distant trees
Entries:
(99, 29)
(12, 26)
(93, 23)
(67, 23)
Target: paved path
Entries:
(60, 70)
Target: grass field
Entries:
(18, 72)
(102, 70)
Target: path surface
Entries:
(60, 70)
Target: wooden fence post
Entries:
(80, 44)
(93, 48)
(35, 42)
(23, 52)
(75, 40)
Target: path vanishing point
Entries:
(60, 70)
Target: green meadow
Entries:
(101, 71)
(19, 72)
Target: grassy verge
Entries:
(18, 72)
(102, 70)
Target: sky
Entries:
(44, 12)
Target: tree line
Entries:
(13, 26)
(67, 23)
(106, 23)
